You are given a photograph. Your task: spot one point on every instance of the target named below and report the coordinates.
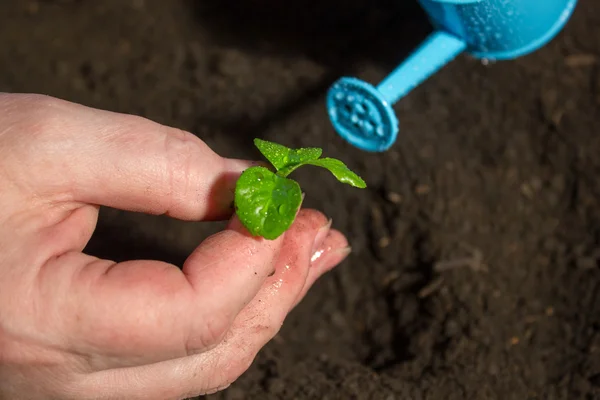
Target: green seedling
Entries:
(267, 202)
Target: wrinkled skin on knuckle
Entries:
(213, 330)
(223, 365)
(183, 180)
(33, 137)
(31, 118)
(240, 363)
(247, 341)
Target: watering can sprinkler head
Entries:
(362, 113)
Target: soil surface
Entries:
(476, 264)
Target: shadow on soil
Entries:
(340, 35)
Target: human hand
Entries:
(73, 326)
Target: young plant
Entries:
(267, 202)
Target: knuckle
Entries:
(38, 115)
(216, 328)
(181, 155)
(38, 107)
(30, 129)
(210, 335)
(230, 371)
(274, 327)
(264, 332)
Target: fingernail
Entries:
(300, 206)
(321, 235)
(343, 252)
(330, 258)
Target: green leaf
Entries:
(283, 157)
(266, 204)
(340, 171)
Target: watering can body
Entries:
(500, 29)
(489, 29)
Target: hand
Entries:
(74, 326)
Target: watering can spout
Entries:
(438, 50)
(362, 113)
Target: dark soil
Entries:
(476, 271)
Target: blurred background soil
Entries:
(475, 272)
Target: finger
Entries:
(331, 253)
(121, 161)
(139, 312)
(232, 284)
(254, 326)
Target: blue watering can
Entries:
(362, 114)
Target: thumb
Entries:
(85, 155)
